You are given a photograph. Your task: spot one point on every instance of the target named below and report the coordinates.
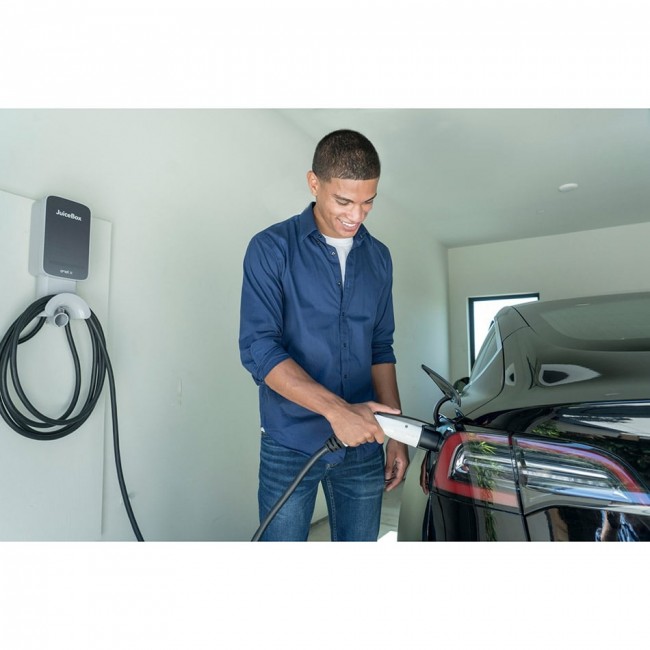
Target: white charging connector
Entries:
(410, 431)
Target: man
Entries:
(316, 333)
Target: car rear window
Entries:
(605, 323)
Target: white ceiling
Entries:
(485, 175)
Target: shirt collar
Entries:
(308, 226)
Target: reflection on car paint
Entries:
(564, 524)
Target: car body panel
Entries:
(553, 442)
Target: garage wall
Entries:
(183, 192)
(603, 261)
(420, 297)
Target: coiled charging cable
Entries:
(47, 428)
(332, 444)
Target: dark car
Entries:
(549, 439)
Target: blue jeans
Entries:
(353, 491)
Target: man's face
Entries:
(341, 204)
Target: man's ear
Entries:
(313, 183)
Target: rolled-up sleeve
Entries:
(260, 323)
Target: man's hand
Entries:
(355, 424)
(397, 460)
(424, 476)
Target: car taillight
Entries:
(477, 466)
(552, 473)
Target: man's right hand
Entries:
(355, 424)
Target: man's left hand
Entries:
(397, 460)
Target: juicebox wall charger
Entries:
(60, 239)
(59, 253)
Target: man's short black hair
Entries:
(346, 154)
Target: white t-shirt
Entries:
(343, 247)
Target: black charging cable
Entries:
(332, 444)
(47, 428)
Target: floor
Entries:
(320, 530)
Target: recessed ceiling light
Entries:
(568, 187)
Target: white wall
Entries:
(420, 297)
(603, 261)
(184, 191)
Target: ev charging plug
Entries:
(416, 433)
(410, 431)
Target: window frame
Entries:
(471, 302)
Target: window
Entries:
(482, 312)
(487, 352)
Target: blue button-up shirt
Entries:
(294, 305)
